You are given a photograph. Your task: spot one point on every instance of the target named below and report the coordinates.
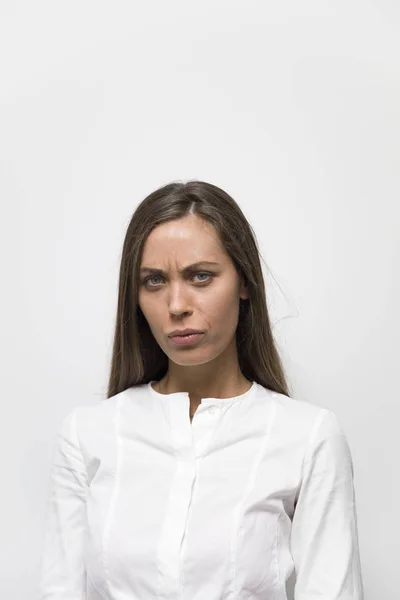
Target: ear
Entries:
(244, 292)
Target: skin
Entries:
(176, 300)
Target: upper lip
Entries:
(183, 332)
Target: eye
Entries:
(208, 275)
(148, 279)
(145, 281)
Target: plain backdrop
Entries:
(293, 109)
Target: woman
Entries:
(198, 478)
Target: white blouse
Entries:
(146, 505)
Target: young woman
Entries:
(199, 477)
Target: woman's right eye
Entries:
(209, 277)
(149, 278)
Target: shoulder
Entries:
(86, 418)
(301, 418)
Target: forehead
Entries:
(186, 240)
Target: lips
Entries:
(184, 332)
(186, 340)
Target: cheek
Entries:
(220, 308)
(150, 310)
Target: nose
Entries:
(179, 302)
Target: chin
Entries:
(193, 358)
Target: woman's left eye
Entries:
(147, 280)
(208, 275)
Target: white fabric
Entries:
(146, 505)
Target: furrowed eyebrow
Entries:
(187, 269)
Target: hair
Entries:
(136, 356)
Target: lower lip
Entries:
(186, 340)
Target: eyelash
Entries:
(144, 282)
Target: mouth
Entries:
(187, 339)
(183, 332)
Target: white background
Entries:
(293, 109)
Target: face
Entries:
(204, 298)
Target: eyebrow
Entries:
(187, 269)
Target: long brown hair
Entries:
(137, 358)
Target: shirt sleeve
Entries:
(324, 536)
(63, 575)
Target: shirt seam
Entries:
(176, 452)
(271, 416)
(311, 438)
(277, 551)
(74, 425)
(115, 491)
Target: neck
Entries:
(218, 388)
